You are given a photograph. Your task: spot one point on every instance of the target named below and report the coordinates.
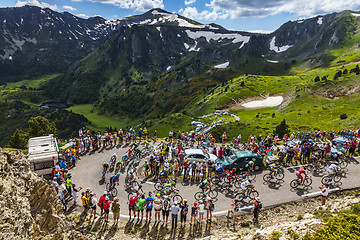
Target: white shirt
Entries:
(174, 209)
(166, 166)
(244, 185)
(332, 168)
(326, 192)
(94, 201)
(201, 207)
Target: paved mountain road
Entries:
(87, 173)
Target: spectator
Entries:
(194, 212)
(84, 201)
(157, 207)
(234, 210)
(101, 201)
(201, 210)
(55, 184)
(257, 207)
(93, 204)
(174, 214)
(184, 210)
(324, 193)
(106, 205)
(115, 208)
(166, 209)
(141, 204)
(149, 206)
(132, 204)
(209, 209)
(74, 192)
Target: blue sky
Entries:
(242, 15)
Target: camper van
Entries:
(43, 153)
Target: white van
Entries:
(43, 153)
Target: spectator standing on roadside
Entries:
(209, 209)
(149, 206)
(174, 214)
(93, 204)
(101, 201)
(324, 193)
(194, 212)
(184, 210)
(201, 211)
(132, 204)
(234, 211)
(257, 207)
(115, 208)
(74, 192)
(140, 208)
(106, 205)
(84, 201)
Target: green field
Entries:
(101, 122)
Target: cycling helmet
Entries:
(118, 174)
(116, 199)
(234, 169)
(250, 179)
(336, 163)
(173, 182)
(305, 167)
(158, 194)
(150, 193)
(105, 193)
(166, 196)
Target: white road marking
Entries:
(150, 183)
(298, 166)
(225, 211)
(318, 193)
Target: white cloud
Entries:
(192, 13)
(36, 3)
(139, 5)
(261, 8)
(261, 31)
(82, 15)
(189, 2)
(76, 0)
(70, 8)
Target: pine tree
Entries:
(282, 129)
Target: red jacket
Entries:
(101, 200)
(106, 205)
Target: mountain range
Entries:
(158, 63)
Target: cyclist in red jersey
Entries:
(299, 174)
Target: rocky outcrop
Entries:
(29, 208)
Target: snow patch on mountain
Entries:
(277, 49)
(218, 36)
(320, 20)
(223, 65)
(356, 14)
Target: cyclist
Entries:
(118, 165)
(138, 190)
(299, 174)
(246, 186)
(131, 172)
(333, 169)
(170, 187)
(219, 170)
(114, 158)
(147, 145)
(231, 174)
(105, 167)
(163, 177)
(273, 169)
(113, 180)
(205, 185)
(250, 165)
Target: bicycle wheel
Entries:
(267, 177)
(239, 197)
(294, 183)
(213, 193)
(237, 183)
(325, 180)
(343, 164)
(279, 176)
(253, 194)
(321, 164)
(199, 195)
(134, 183)
(337, 178)
(113, 192)
(177, 198)
(158, 186)
(215, 180)
(307, 182)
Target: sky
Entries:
(241, 15)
